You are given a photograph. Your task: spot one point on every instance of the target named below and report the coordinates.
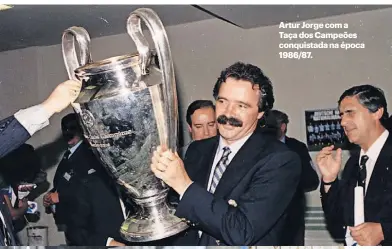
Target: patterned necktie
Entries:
(220, 168)
(362, 172)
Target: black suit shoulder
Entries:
(297, 146)
(294, 142)
(202, 145)
(309, 178)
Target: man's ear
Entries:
(283, 128)
(378, 114)
(260, 115)
(189, 128)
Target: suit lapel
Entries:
(210, 161)
(242, 162)
(77, 152)
(199, 167)
(383, 164)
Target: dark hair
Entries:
(196, 105)
(22, 164)
(70, 124)
(253, 74)
(370, 97)
(275, 119)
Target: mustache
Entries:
(223, 119)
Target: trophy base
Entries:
(155, 220)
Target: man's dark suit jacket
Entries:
(96, 213)
(295, 229)
(250, 203)
(75, 167)
(89, 205)
(338, 203)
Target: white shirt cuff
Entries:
(185, 190)
(33, 118)
(108, 241)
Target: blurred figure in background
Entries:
(19, 127)
(294, 235)
(23, 181)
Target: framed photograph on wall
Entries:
(323, 129)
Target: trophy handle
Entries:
(161, 42)
(71, 59)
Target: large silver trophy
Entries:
(127, 107)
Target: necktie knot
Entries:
(364, 159)
(66, 154)
(225, 155)
(226, 151)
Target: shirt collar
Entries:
(73, 148)
(234, 147)
(376, 147)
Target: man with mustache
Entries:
(234, 188)
(363, 110)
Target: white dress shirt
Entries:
(33, 118)
(73, 148)
(234, 148)
(373, 153)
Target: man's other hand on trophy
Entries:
(169, 167)
(64, 94)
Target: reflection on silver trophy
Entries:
(127, 107)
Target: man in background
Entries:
(363, 112)
(295, 228)
(83, 194)
(200, 117)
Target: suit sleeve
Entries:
(17, 129)
(12, 135)
(332, 203)
(385, 213)
(309, 178)
(261, 206)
